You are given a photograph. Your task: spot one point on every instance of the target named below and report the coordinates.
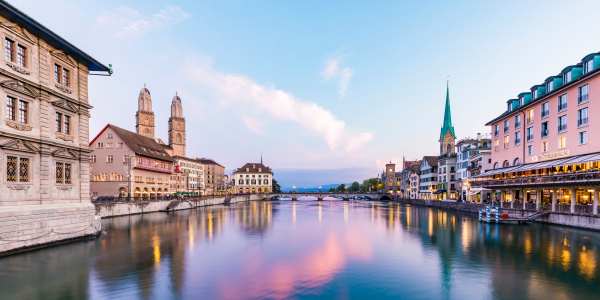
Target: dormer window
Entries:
(588, 66)
(521, 101)
(549, 86)
(567, 77)
(534, 94)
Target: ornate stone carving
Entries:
(64, 137)
(18, 86)
(43, 45)
(63, 88)
(19, 187)
(17, 68)
(61, 187)
(60, 55)
(18, 126)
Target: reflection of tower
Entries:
(144, 117)
(447, 135)
(177, 127)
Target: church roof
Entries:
(447, 125)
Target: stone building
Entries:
(191, 175)
(253, 178)
(214, 177)
(144, 117)
(44, 134)
(119, 153)
(391, 179)
(413, 180)
(177, 128)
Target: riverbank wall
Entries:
(581, 221)
(30, 227)
(115, 209)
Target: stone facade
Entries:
(144, 117)
(215, 177)
(253, 178)
(177, 128)
(44, 154)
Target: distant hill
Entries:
(314, 189)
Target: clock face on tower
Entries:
(390, 170)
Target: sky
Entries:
(329, 91)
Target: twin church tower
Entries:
(144, 121)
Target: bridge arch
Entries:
(385, 197)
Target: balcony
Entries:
(583, 98)
(447, 155)
(545, 113)
(517, 125)
(506, 129)
(545, 133)
(562, 106)
(530, 138)
(562, 127)
(582, 122)
(517, 141)
(552, 180)
(496, 133)
(474, 167)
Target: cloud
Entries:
(332, 70)
(244, 94)
(127, 22)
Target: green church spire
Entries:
(447, 125)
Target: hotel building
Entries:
(543, 147)
(428, 177)
(253, 178)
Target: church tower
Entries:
(177, 127)
(447, 136)
(144, 117)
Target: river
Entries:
(311, 250)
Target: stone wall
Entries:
(129, 208)
(555, 218)
(33, 226)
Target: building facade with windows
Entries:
(555, 121)
(44, 153)
(391, 179)
(413, 180)
(214, 177)
(428, 177)
(119, 154)
(191, 173)
(253, 178)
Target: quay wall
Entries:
(106, 210)
(582, 221)
(29, 227)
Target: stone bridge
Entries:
(320, 196)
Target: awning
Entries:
(439, 192)
(578, 159)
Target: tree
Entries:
(371, 184)
(354, 187)
(276, 186)
(331, 190)
(341, 188)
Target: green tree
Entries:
(331, 190)
(341, 188)
(276, 186)
(354, 187)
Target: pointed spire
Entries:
(447, 125)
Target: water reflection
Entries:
(358, 249)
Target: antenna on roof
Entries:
(261, 157)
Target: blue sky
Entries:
(321, 87)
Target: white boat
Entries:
(331, 198)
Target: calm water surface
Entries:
(324, 250)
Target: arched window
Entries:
(505, 164)
(147, 133)
(146, 121)
(448, 148)
(516, 162)
(179, 138)
(496, 165)
(178, 126)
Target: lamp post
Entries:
(129, 178)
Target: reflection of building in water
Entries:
(255, 218)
